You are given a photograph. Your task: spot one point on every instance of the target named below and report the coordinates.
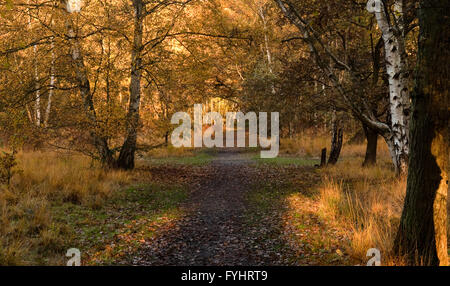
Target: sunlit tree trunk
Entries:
(126, 156)
(262, 16)
(422, 235)
(37, 86)
(37, 99)
(52, 83)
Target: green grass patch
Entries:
(282, 161)
(269, 209)
(198, 159)
(106, 233)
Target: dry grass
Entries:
(310, 144)
(367, 205)
(305, 146)
(72, 178)
(364, 203)
(367, 202)
(28, 231)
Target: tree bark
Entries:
(396, 69)
(422, 235)
(336, 143)
(37, 86)
(52, 84)
(262, 16)
(37, 102)
(371, 148)
(323, 158)
(128, 150)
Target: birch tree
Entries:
(127, 152)
(354, 98)
(37, 99)
(393, 30)
(52, 83)
(262, 15)
(98, 140)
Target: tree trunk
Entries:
(37, 86)
(128, 150)
(396, 68)
(100, 142)
(262, 16)
(422, 235)
(371, 149)
(52, 83)
(336, 143)
(323, 158)
(166, 138)
(336, 147)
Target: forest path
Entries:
(219, 227)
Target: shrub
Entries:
(8, 168)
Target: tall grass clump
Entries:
(366, 202)
(28, 232)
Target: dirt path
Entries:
(212, 233)
(215, 230)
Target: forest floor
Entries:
(239, 211)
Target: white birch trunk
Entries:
(396, 68)
(128, 150)
(37, 103)
(52, 83)
(38, 87)
(266, 44)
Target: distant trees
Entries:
(90, 81)
(422, 235)
(81, 63)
